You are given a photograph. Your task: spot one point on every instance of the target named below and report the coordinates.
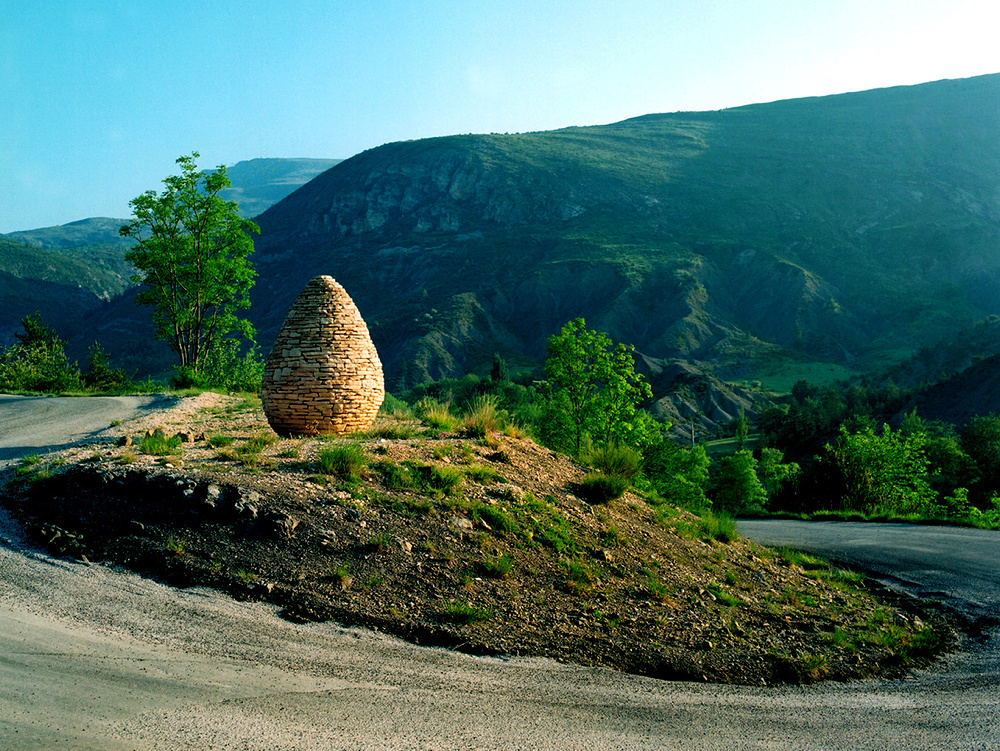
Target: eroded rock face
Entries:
(323, 374)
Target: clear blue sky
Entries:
(98, 97)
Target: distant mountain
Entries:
(65, 287)
(258, 184)
(851, 229)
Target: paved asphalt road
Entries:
(94, 658)
(36, 424)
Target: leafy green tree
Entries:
(597, 383)
(981, 441)
(775, 474)
(37, 361)
(192, 253)
(100, 376)
(678, 474)
(873, 473)
(741, 429)
(499, 373)
(737, 488)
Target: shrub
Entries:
(436, 415)
(483, 417)
(346, 460)
(617, 461)
(600, 488)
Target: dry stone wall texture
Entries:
(323, 374)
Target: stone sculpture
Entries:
(323, 374)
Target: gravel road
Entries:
(94, 658)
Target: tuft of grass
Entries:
(719, 526)
(396, 408)
(483, 417)
(346, 460)
(579, 578)
(220, 441)
(723, 596)
(175, 545)
(497, 567)
(656, 589)
(158, 444)
(612, 538)
(437, 481)
(497, 518)
(616, 461)
(466, 613)
(598, 488)
(395, 476)
(482, 473)
(436, 415)
(392, 430)
(381, 542)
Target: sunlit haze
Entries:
(100, 97)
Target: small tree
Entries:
(597, 382)
(877, 473)
(37, 361)
(192, 254)
(737, 487)
(100, 376)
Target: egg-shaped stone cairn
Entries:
(323, 375)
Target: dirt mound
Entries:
(480, 545)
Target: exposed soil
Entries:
(505, 560)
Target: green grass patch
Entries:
(498, 567)
(346, 460)
(158, 444)
(465, 613)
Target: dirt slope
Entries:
(477, 545)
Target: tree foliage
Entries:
(37, 361)
(737, 488)
(872, 473)
(192, 253)
(598, 386)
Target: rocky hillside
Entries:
(848, 229)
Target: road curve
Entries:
(950, 564)
(38, 424)
(96, 658)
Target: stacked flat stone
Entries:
(323, 374)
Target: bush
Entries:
(617, 461)
(101, 377)
(600, 488)
(483, 417)
(37, 361)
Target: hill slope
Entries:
(481, 546)
(841, 228)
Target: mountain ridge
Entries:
(821, 228)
